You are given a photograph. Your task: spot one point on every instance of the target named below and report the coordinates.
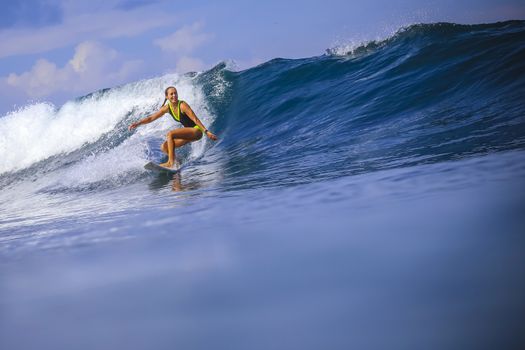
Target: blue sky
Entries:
(56, 50)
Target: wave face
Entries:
(429, 93)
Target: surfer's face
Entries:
(172, 95)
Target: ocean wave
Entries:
(428, 93)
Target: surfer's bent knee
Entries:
(197, 134)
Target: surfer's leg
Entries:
(176, 143)
(177, 138)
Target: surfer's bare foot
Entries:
(167, 165)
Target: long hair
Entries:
(166, 94)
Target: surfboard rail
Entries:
(158, 168)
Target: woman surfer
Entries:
(182, 113)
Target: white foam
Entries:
(360, 44)
(39, 131)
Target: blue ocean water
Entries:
(371, 197)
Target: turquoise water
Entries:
(371, 197)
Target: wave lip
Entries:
(426, 32)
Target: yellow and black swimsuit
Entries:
(181, 117)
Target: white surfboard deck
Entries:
(156, 167)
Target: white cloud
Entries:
(128, 68)
(80, 26)
(91, 56)
(92, 66)
(41, 80)
(185, 40)
(181, 44)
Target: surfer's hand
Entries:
(210, 135)
(133, 126)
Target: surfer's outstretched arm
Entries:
(189, 112)
(163, 110)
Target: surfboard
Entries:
(156, 167)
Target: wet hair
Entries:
(166, 93)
